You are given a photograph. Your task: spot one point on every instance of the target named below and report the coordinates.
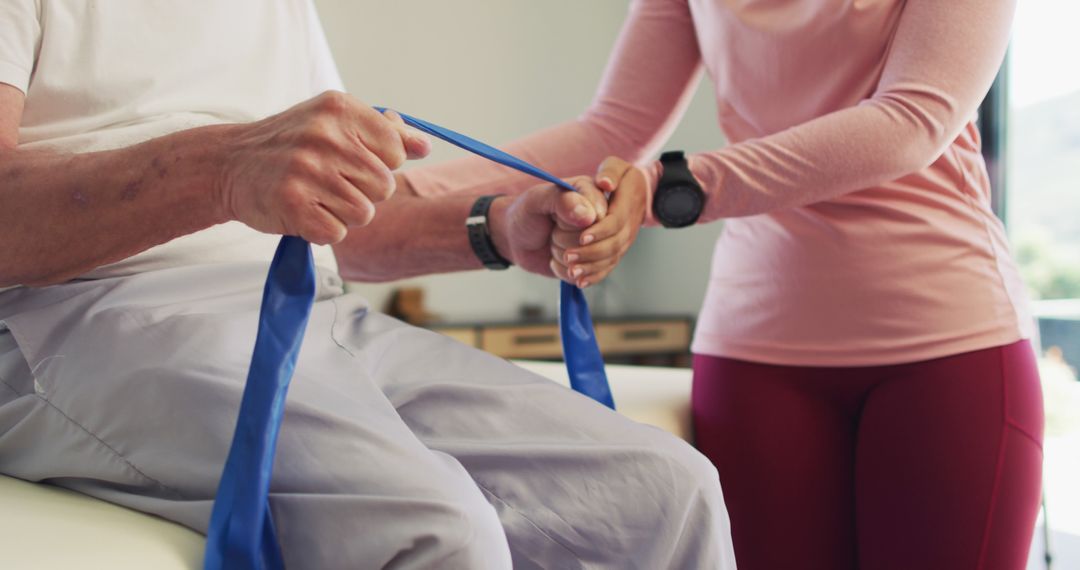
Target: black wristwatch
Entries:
(480, 236)
(678, 200)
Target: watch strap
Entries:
(480, 234)
(676, 168)
(678, 199)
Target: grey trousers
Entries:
(400, 448)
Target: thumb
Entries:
(417, 145)
(611, 173)
(574, 211)
(568, 209)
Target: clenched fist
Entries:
(316, 169)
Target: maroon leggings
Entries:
(929, 465)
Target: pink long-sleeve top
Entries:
(860, 228)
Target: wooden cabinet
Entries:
(526, 341)
(663, 340)
(643, 337)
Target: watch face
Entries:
(682, 202)
(678, 206)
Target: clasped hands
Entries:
(579, 237)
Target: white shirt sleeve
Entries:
(20, 37)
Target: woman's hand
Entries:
(586, 257)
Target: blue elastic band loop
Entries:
(241, 533)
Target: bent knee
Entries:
(447, 529)
(685, 479)
(698, 469)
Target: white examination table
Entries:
(50, 528)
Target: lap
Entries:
(138, 384)
(136, 404)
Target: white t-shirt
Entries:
(105, 74)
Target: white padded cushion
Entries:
(49, 528)
(42, 526)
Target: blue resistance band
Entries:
(583, 361)
(241, 533)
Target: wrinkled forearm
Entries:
(410, 236)
(62, 215)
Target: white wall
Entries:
(496, 70)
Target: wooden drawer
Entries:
(465, 335)
(645, 337)
(532, 341)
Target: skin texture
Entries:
(316, 170)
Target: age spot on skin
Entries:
(130, 191)
(158, 165)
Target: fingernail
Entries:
(581, 212)
(571, 257)
(583, 284)
(587, 239)
(606, 183)
(575, 272)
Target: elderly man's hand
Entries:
(316, 169)
(522, 227)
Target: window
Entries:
(1043, 167)
(1041, 205)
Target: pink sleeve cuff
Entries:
(652, 171)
